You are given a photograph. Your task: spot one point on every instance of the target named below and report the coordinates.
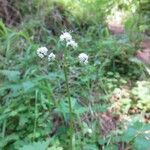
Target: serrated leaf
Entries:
(43, 145)
(141, 143)
(27, 85)
(129, 134)
(12, 75)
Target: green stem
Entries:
(36, 114)
(69, 98)
(4, 129)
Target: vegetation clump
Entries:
(74, 75)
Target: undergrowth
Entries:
(109, 95)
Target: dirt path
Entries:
(144, 51)
(115, 28)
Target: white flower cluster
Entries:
(43, 51)
(83, 58)
(51, 56)
(66, 36)
(72, 43)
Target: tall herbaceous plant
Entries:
(70, 44)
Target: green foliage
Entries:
(138, 134)
(38, 145)
(43, 145)
(138, 21)
(142, 91)
(33, 102)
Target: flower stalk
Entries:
(42, 52)
(65, 69)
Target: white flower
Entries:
(42, 51)
(83, 58)
(40, 55)
(51, 56)
(65, 36)
(72, 43)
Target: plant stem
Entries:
(69, 98)
(36, 114)
(4, 129)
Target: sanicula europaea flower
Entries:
(51, 57)
(72, 43)
(42, 51)
(83, 58)
(65, 36)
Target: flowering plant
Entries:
(42, 52)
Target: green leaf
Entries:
(141, 143)
(23, 120)
(36, 146)
(3, 29)
(27, 85)
(129, 134)
(7, 139)
(90, 147)
(12, 75)
(111, 147)
(55, 148)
